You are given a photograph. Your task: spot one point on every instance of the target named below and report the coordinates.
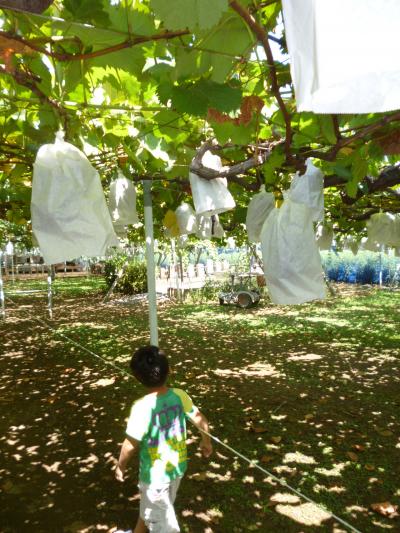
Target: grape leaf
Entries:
(352, 187)
(191, 14)
(198, 97)
(231, 38)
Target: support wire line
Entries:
(282, 482)
(251, 462)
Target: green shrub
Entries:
(133, 279)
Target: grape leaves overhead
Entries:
(148, 82)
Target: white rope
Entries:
(251, 462)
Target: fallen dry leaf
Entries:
(267, 458)
(10, 488)
(369, 467)
(358, 447)
(51, 399)
(276, 440)
(386, 433)
(200, 476)
(352, 456)
(309, 416)
(385, 509)
(259, 429)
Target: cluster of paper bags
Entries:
(210, 198)
(292, 263)
(70, 218)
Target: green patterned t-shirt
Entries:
(158, 421)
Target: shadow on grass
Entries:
(310, 392)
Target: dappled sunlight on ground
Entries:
(311, 393)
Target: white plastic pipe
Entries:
(49, 296)
(151, 270)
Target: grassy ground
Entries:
(311, 392)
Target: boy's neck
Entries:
(160, 390)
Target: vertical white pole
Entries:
(151, 271)
(176, 271)
(12, 268)
(2, 305)
(49, 296)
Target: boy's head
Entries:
(150, 366)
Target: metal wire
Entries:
(251, 462)
(279, 480)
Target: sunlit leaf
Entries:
(192, 14)
(385, 509)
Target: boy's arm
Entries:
(128, 450)
(201, 422)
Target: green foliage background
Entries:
(134, 276)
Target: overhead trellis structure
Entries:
(160, 86)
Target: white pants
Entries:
(157, 506)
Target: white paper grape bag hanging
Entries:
(122, 201)
(292, 263)
(210, 197)
(258, 210)
(308, 189)
(69, 212)
(186, 219)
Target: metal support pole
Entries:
(12, 268)
(49, 296)
(175, 267)
(151, 271)
(2, 304)
(114, 283)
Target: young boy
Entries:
(157, 428)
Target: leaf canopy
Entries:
(154, 80)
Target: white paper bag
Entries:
(384, 228)
(308, 189)
(324, 237)
(351, 243)
(186, 219)
(292, 263)
(122, 201)
(210, 197)
(209, 227)
(345, 54)
(70, 217)
(370, 245)
(258, 210)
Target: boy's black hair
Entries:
(150, 366)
